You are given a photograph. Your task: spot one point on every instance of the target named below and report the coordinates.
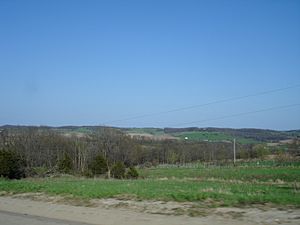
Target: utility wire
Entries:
(237, 114)
(205, 104)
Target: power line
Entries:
(237, 114)
(204, 104)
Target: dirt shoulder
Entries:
(130, 212)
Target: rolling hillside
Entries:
(243, 136)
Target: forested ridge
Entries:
(75, 149)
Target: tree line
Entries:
(107, 150)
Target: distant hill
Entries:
(212, 134)
(245, 135)
(262, 135)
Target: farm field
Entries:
(228, 186)
(211, 136)
(191, 135)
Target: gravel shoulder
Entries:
(130, 212)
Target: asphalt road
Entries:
(9, 218)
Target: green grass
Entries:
(153, 131)
(211, 136)
(269, 163)
(263, 174)
(218, 186)
(223, 193)
(193, 135)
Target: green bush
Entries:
(87, 173)
(98, 165)
(65, 165)
(118, 170)
(132, 173)
(11, 165)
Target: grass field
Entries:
(211, 136)
(153, 131)
(245, 174)
(226, 187)
(194, 135)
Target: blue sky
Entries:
(94, 62)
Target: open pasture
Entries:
(213, 186)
